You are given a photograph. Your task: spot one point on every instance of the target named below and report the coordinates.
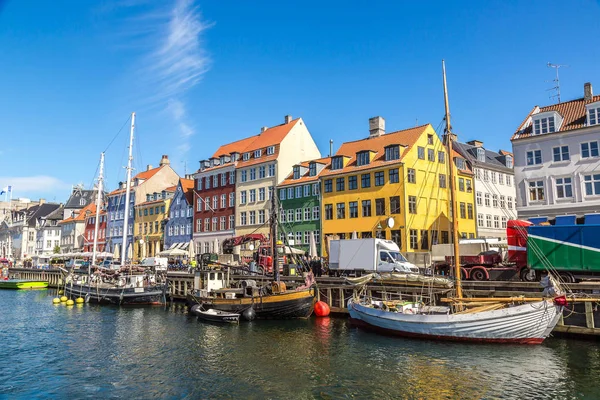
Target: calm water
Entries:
(89, 351)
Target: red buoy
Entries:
(321, 309)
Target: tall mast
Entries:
(98, 201)
(449, 141)
(127, 189)
(273, 220)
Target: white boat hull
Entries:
(528, 323)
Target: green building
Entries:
(300, 196)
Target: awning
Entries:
(538, 220)
(592, 219)
(565, 220)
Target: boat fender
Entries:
(249, 314)
(194, 308)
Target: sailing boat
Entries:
(122, 287)
(273, 301)
(511, 320)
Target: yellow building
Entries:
(150, 220)
(465, 197)
(392, 186)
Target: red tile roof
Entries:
(505, 153)
(406, 138)
(467, 170)
(306, 177)
(187, 185)
(82, 213)
(573, 113)
(145, 175)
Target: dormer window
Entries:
(392, 152)
(312, 169)
(460, 163)
(82, 202)
(593, 114)
(257, 153)
(222, 160)
(296, 172)
(246, 156)
(546, 122)
(509, 162)
(337, 163)
(270, 150)
(480, 154)
(362, 158)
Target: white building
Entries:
(495, 193)
(557, 159)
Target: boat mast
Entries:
(449, 141)
(127, 189)
(273, 233)
(98, 201)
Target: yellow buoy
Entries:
(55, 300)
(70, 302)
(79, 300)
(63, 299)
(61, 292)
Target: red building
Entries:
(88, 233)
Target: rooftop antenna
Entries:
(556, 80)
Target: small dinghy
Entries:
(213, 315)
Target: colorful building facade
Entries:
(150, 221)
(89, 231)
(179, 228)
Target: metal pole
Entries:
(452, 188)
(273, 221)
(98, 201)
(127, 189)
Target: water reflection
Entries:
(92, 351)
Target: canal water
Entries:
(89, 351)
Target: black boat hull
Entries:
(149, 295)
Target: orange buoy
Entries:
(321, 309)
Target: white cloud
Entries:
(30, 184)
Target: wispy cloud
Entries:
(33, 184)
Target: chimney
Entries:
(148, 167)
(587, 92)
(264, 128)
(42, 201)
(330, 147)
(376, 126)
(288, 119)
(475, 143)
(164, 160)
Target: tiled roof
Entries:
(505, 153)
(187, 186)
(406, 137)
(492, 159)
(81, 216)
(238, 146)
(77, 194)
(573, 113)
(145, 175)
(306, 177)
(467, 169)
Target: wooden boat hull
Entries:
(291, 304)
(148, 295)
(20, 284)
(529, 323)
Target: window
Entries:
(231, 199)
(496, 221)
(463, 210)
(480, 220)
(216, 180)
(281, 194)
(508, 180)
(298, 214)
(488, 220)
(139, 213)
(270, 150)
(296, 172)
(362, 158)
(261, 194)
(261, 172)
(252, 195)
(480, 154)
(509, 161)
(543, 125)
(379, 178)
(231, 221)
(328, 185)
(198, 226)
(290, 193)
(246, 156)
(509, 202)
(421, 152)
(339, 184)
(486, 175)
(306, 190)
(445, 237)
(477, 174)
(412, 176)
(252, 217)
(429, 139)
(223, 200)
(223, 179)
(487, 200)
(502, 201)
(442, 180)
(252, 174)
(298, 238)
(430, 155)
(257, 153)
(392, 153)
(315, 213)
(534, 157)
(412, 204)
(495, 200)
(592, 184)
(290, 215)
(222, 223)
(589, 149)
(352, 184)
(232, 177)
(379, 206)
(394, 175)
(199, 184)
(441, 157)
(315, 188)
(564, 188)
(244, 175)
(414, 239)
(271, 169)
(460, 163)
(261, 216)
(307, 213)
(366, 208)
(501, 178)
(469, 210)
(560, 153)
(424, 240)
(341, 210)
(243, 199)
(353, 207)
(536, 191)
(298, 192)
(328, 211)
(461, 184)
(145, 212)
(493, 177)
(395, 205)
(312, 169)
(365, 180)
(337, 163)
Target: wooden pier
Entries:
(580, 319)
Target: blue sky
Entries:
(202, 73)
